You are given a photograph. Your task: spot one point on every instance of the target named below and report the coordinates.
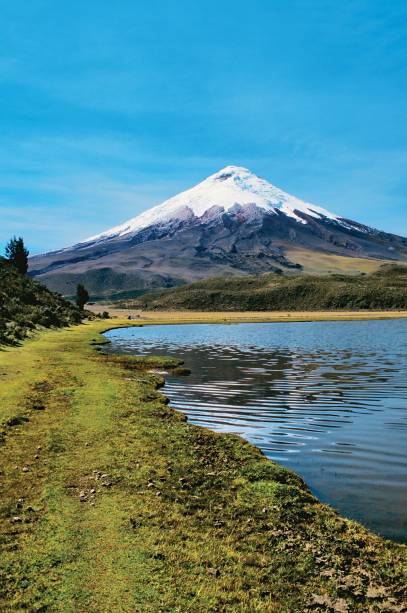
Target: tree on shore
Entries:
(17, 254)
(82, 296)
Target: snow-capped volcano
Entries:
(231, 223)
(233, 185)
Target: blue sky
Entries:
(109, 108)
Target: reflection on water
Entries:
(326, 399)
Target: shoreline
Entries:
(170, 317)
(226, 527)
(325, 493)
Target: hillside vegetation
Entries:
(26, 305)
(384, 289)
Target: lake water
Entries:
(328, 400)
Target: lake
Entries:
(326, 399)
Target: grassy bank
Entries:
(110, 501)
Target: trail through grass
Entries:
(110, 501)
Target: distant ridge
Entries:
(385, 289)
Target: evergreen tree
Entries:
(82, 295)
(17, 254)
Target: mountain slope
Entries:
(25, 304)
(231, 223)
(385, 289)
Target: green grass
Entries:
(384, 289)
(126, 507)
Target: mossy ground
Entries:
(110, 501)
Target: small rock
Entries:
(39, 447)
(104, 476)
(17, 520)
(36, 456)
(38, 406)
(93, 491)
(25, 469)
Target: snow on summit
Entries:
(230, 186)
